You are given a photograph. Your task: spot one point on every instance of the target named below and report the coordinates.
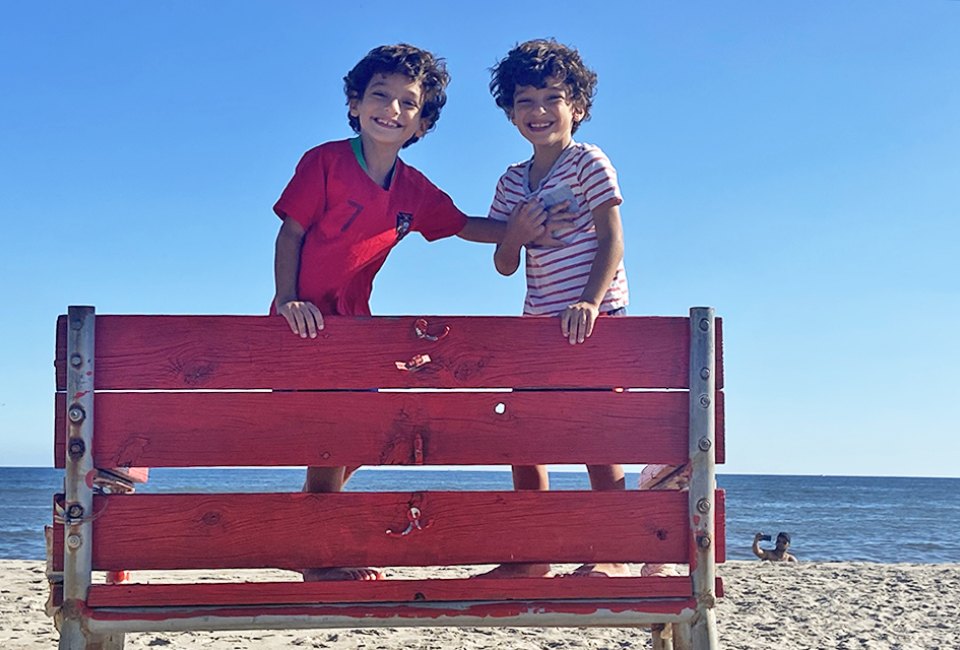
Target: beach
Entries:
(846, 605)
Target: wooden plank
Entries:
(720, 448)
(720, 524)
(369, 428)
(320, 428)
(116, 539)
(238, 352)
(718, 324)
(368, 591)
(621, 612)
(60, 429)
(173, 531)
(59, 501)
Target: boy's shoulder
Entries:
(332, 148)
(321, 158)
(586, 160)
(584, 151)
(517, 167)
(413, 176)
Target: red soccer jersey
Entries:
(351, 223)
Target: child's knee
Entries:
(606, 477)
(530, 477)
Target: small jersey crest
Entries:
(404, 221)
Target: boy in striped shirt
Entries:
(547, 91)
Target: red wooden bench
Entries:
(222, 391)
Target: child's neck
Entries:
(544, 158)
(380, 160)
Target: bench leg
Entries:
(682, 636)
(72, 637)
(704, 631)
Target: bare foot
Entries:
(606, 570)
(517, 570)
(341, 573)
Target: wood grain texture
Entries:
(720, 522)
(116, 535)
(250, 352)
(293, 530)
(200, 429)
(622, 612)
(472, 589)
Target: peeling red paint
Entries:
(79, 394)
(493, 610)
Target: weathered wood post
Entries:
(78, 505)
(703, 477)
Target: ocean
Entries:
(830, 518)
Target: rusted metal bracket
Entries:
(420, 327)
(413, 523)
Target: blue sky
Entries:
(794, 164)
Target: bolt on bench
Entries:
(241, 391)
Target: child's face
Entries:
(389, 111)
(545, 116)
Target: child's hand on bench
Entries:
(303, 317)
(576, 322)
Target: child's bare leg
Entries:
(663, 477)
(602, 478)
(606, 477)
(331, 479)
(530, 477)
(525, 477)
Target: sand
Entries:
(812, 605)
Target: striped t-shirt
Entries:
(556, 276)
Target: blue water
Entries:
(830, 518)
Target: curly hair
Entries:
(535, 62)
(419, 65)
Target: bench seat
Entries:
(235, 391)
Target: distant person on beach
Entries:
(546, 91)
(351, 201)
(777, 554)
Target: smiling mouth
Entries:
(387, 124)
(539, 125)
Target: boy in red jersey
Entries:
(546, 91)
(351, 201)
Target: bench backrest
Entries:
(225, 391)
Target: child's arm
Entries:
(578, 320)
(483, 230)
(304, 318)
(526, 223)
(491, 231)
